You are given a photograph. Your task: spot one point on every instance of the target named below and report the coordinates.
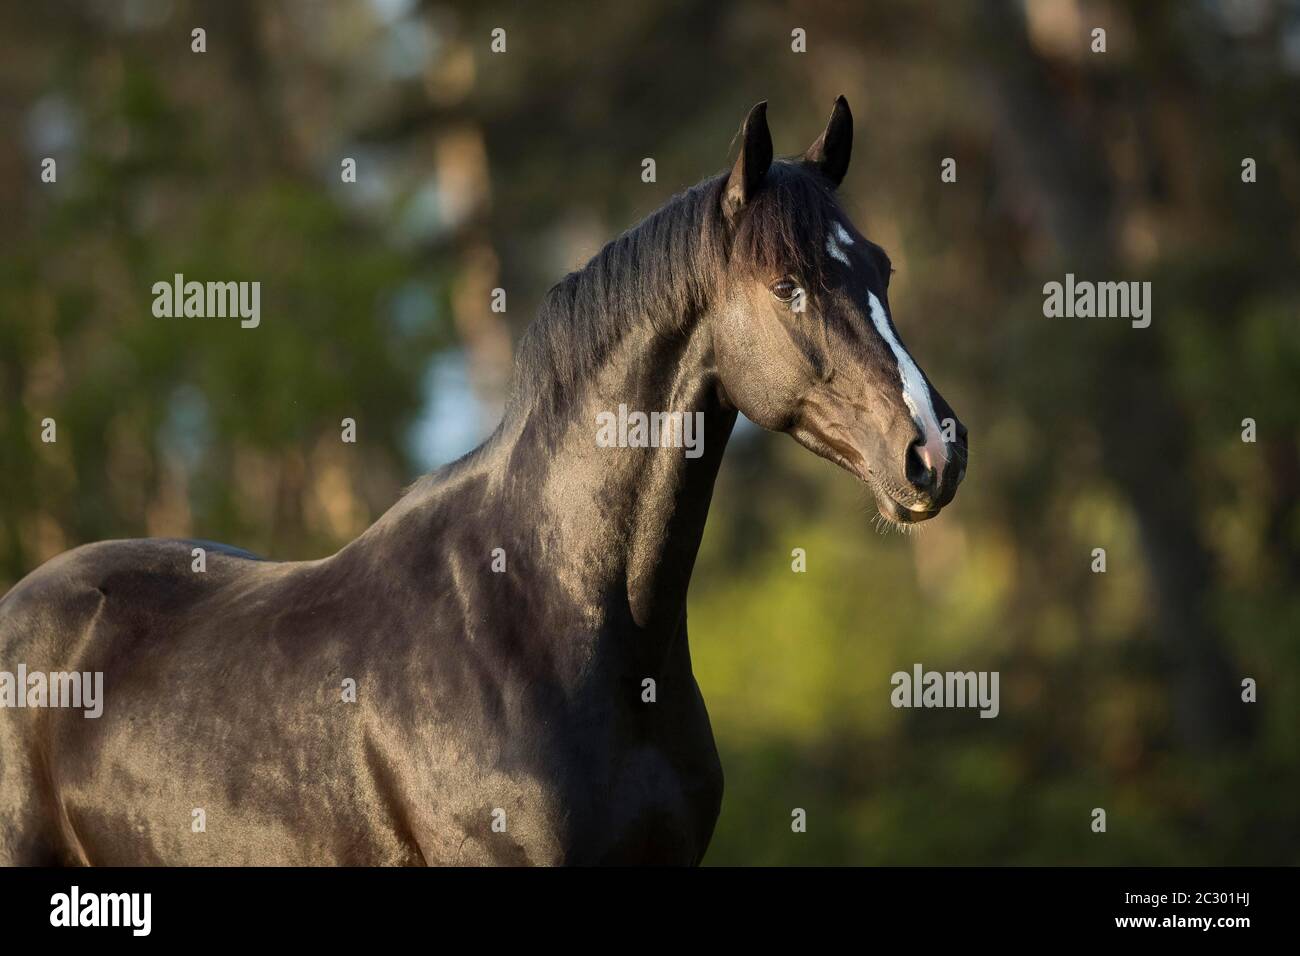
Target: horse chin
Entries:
(898, 514)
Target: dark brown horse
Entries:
(501, 622)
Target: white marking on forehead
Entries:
(916, 393)
(839, 234)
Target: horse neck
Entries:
(604, 538)
(615, 523)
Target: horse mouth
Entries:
(893, 510)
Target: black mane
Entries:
(664, 271)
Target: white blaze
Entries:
(916, 394)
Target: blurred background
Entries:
(477, 170)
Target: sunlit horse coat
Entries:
(501, 713)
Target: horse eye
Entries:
(785, 289)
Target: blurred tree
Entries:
(481, 170)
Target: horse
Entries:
(466, 682)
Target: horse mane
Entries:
(664, 271)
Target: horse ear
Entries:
(830, 154)
(752, 163)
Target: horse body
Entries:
(515, 626)
(226, 697)
(482, 697)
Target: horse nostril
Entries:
(918, 467)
